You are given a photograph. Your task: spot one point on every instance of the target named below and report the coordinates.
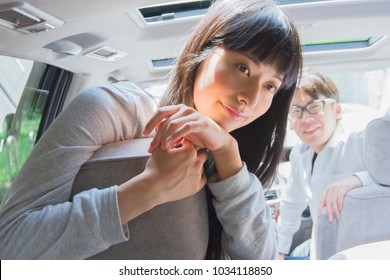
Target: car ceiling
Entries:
(96, 23)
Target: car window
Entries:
(22, 107)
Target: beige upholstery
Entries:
(370, 251)
(364, 219)
(176, 230)
(377, 149)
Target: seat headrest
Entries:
(377, 149)
(174, 230)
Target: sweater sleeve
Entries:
(248, 229)
(37, 218)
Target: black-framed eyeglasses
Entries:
(313, 107)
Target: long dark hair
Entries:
(266, 32)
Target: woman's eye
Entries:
(244, 69)
(271, 88)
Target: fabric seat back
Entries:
(175, 230)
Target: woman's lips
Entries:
(234, 114)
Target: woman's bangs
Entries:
(271, 40)
(282, 57)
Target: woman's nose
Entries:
(249, 96)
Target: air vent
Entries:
(106, 53)
(161, 65)
(26, 18)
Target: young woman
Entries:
(326, 164)
(229, 95)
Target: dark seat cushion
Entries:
(175, 230)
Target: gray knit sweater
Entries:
(38, 221)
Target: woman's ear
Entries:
(338, 109)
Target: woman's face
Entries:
(315, 130)
(234, 89)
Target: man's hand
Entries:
(333, 197)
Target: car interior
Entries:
(51, 50)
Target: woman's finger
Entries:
(161, 114)
(180, 130)
(167, 127)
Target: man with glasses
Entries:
(327, 163)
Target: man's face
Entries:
(315, 130)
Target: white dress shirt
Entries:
(342, 157)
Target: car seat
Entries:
(174, 230)
(365, 215)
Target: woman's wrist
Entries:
(136, 198)
(227, 159)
